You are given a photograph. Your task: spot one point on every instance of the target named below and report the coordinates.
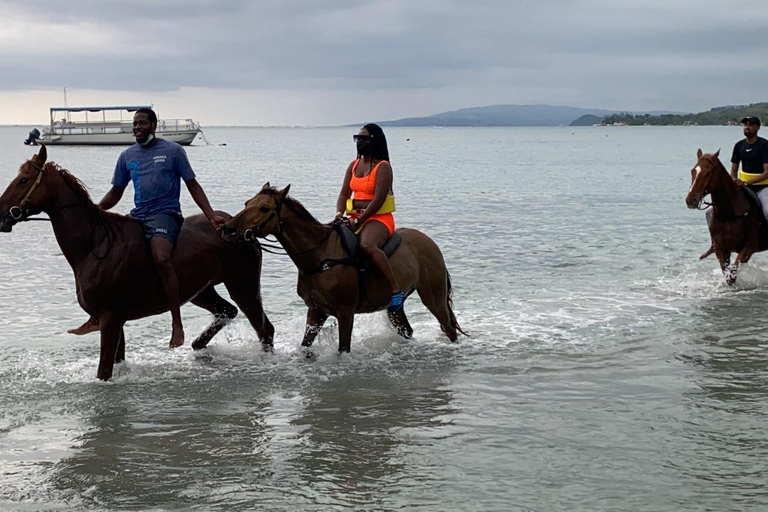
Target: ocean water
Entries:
(607, 368)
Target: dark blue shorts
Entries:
(164, 225)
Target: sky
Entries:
(333, 62)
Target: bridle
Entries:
(17, 212)
(250, 236)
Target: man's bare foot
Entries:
(177, 337)
(92, 325)
(708, 252)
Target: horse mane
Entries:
(79, 189)
(296, 207)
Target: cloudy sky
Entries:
(321, 62)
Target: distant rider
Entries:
(752, 153)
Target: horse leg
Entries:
(733, 271)
(437, 299)
(120, 354)
(315, 320)
(724, 258)
(346, 321)
(400, 322)
(223, 313)
(247, 297)
(111, 330)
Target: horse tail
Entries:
(454, 322)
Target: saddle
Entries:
(355, 257)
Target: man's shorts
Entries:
(164, 225)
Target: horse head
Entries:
(26, 194)
(706, 176)
(259, 218)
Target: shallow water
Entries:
(607, 368)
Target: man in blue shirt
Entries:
(156, 167)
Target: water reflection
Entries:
(358, 437)
(138, 453)
(730, 353)
(723, 423)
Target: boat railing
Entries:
(93, 127)
(177, 125)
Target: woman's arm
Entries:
(341, 202)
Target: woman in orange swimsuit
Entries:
(368, 182)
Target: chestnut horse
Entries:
(735, 221)
(114, 271)
(329, 284)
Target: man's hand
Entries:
(217, 220)
(739, 183)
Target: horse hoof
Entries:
(198, 346)
(308, 354)
(268, 347)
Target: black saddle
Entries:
(355, 256)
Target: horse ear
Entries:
(42, 156)
(699, 153)
(717, 153)
(284, 192)
(266, 186)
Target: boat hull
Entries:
(184, 138)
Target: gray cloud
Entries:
(632, 54)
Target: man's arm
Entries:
(111, 198)
(198, 194)
(734, 170)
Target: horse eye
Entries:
(264, 209)
(23, 181)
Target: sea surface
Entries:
(607, 368)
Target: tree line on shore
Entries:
(716, 116)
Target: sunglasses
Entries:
(362, 137)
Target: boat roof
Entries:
(130, 108)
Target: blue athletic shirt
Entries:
(155, 173)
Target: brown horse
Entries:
(114, 271)
(329, 284)
(735, 221)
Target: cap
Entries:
(751, 119)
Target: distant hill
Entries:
(507, 115)
(716, 116)
(587, 120)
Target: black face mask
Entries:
(364, 147)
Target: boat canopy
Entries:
(130, 108)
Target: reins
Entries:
(272, 247)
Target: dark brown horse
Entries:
(114, 272)
(341, 290)
(735, 221)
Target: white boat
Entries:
(107, 126)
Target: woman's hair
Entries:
(378, 142)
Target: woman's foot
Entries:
(92, 325)
(396, 302)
